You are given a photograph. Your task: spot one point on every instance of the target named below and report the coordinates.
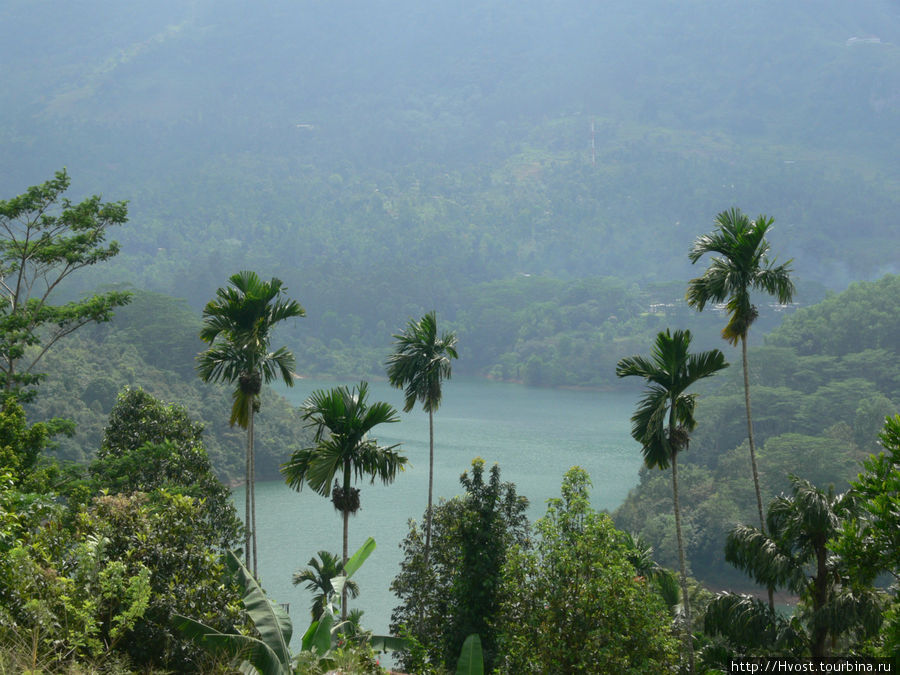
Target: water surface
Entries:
(534, 434)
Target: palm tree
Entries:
(743, 267)
(317, 578)
(665, 418)
(795, 555)
(237, 325)
(420, 362)
(342, 420)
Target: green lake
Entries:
(534, 434)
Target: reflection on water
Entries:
(534, 434)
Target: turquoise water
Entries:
(535, 435)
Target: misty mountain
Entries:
(381, 157)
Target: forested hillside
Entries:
(389, 159)
(822, 386)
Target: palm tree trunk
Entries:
(819, 641)
(752, 442)
(247, 497)
(253, 490)
(688, 631)
(346, 535)
(430, 484)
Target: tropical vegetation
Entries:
(46, 238)
(833, 615)
(123, 560)
(576, 581)
(743, 267)
(456, 591)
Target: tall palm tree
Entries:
(743, 267)
(665, 418)
(237, 325)
(794, 554)
(342, 420)
(317, 577)
(419, 364)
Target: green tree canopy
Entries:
(578, 584)
(44, 238)
(149, 445)
(455, 592)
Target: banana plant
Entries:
(471, 659)
(318, 636)
(270, 653)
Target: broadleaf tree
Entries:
(578, 584)
(45, 238)
(457, 591)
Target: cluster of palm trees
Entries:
(665, 415)
(238, 325)
(239, 321)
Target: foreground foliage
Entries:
(578, 585)
(456, 593)
(267, 651)
(89, 576)
(835, 612)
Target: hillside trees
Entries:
(456, 592)
(149, 445)
(822, 411)
(44, 238)
(870, 543)
(86, 575)
(795, 552)
(152, 344)
(577, 582)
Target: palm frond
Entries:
(342, 420)
(665, 413)
(761, 557)
(742, 265)
(742, 619)
(420, 362)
